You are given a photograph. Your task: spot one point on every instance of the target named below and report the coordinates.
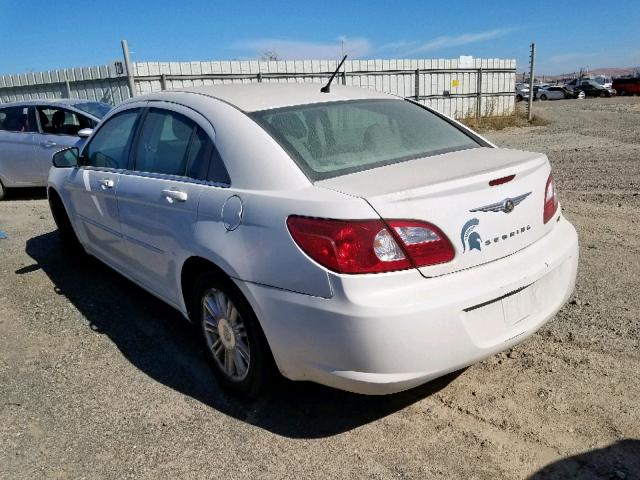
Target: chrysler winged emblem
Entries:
(507, 205)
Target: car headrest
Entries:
(58, 118)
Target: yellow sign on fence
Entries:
(455, 83)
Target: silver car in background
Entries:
(30, 131)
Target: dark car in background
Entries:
(31, 130)
(592, 89)
(627, 86)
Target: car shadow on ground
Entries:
(156, 339)
(620, 460)
(30, 193)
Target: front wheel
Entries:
(543, 97)
(234, 343)
(2, 191)
(70, 243)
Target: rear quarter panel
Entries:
(261, 249)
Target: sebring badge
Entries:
(507, 205)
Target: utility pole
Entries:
(531, 74)
(127, 65)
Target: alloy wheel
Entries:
(226, 335)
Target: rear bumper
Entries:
(384, 334)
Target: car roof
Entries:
(252, 97)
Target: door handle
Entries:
(174, 196)
(106, 183)
(48, 144)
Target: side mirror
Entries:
(85, 132)
(66, 158)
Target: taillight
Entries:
(424, 243)
(550, 199)
(370, 246)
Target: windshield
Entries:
(97, 109)
(332, 139)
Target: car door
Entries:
(17, 149)
(93, 185)
(158, 197)
(58, 129)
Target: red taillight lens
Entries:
(424, 243)
(368, 246)
(550, 199)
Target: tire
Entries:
(543, 97)
(68, 239)
(622, 93)
(518, 98)
(232, 336)
(3, 191)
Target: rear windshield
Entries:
(97, 109)
(332, 139)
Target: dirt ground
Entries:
(100, 380)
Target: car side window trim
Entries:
(175, 178)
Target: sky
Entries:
(42, 35)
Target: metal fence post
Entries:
(479, 94)
(344, 77)
(259, 77)
(67, 87)
(163, 81)
(417, 93)
(127, 64)
(531, 80)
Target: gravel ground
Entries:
(100, 380)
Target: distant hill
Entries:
(613, 72)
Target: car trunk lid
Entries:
(453, 192)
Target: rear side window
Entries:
(331, 139)
(17, 119)
(163, 143)
(109, 147)
(172, 144)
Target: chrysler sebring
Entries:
(346, 237)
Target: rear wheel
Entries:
(543, 97)
(234, 343)
(2, 191)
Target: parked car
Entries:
(522, 92)
(30, 130)
(350, 238)
(592, 89)
(536, 88)
(627, 86)
(604, 81)
(556, 92)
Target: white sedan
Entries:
(350, 238)
(555, 92)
